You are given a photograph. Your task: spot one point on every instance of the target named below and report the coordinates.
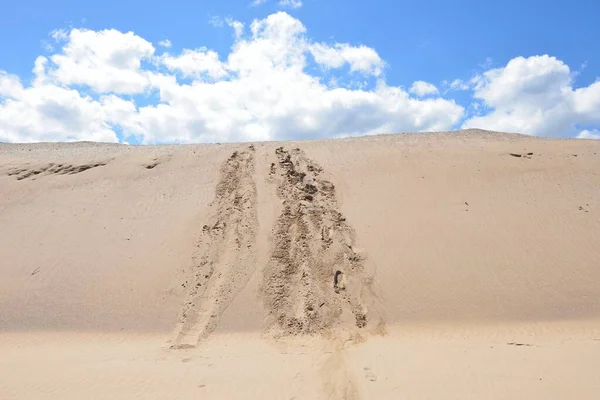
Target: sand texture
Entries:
(413, 266)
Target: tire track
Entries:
(316, 282)
(315, 279)
(225, 259)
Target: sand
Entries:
(445, 266)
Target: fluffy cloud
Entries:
(50, 113)
(587, 134)
(195, 63)
(238, 27)
(422, 88)
(10, 85)
(261, 90)
(535, 95)
(59, 35)
(456, 85)
(360, 59)
(105, 61)
(275, 83)
(165, 43)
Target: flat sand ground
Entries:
(444, 266)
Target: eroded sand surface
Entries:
(446, 266)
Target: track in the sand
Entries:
(315, 282)
(315, 279)
(226, 258)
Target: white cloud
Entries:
(195, 63)
(261, 90)
(456, 85)
(10, 85)
(47, 46)
(216, 21)
(238, 27)
(534, 95)
(586, 103)
(50, 113)
(59, 35)
(361, 59)
(256, 3)
(422, 88)
(290, 3)
(587, 134)
(106, 61)
(165, 43)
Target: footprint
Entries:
(370, 375)
(338, 281)
(519, 155)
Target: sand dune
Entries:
(448, 265)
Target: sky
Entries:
(146, 72)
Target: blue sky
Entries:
(525, 66)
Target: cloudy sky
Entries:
(248, 70)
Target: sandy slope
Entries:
(461, 265)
